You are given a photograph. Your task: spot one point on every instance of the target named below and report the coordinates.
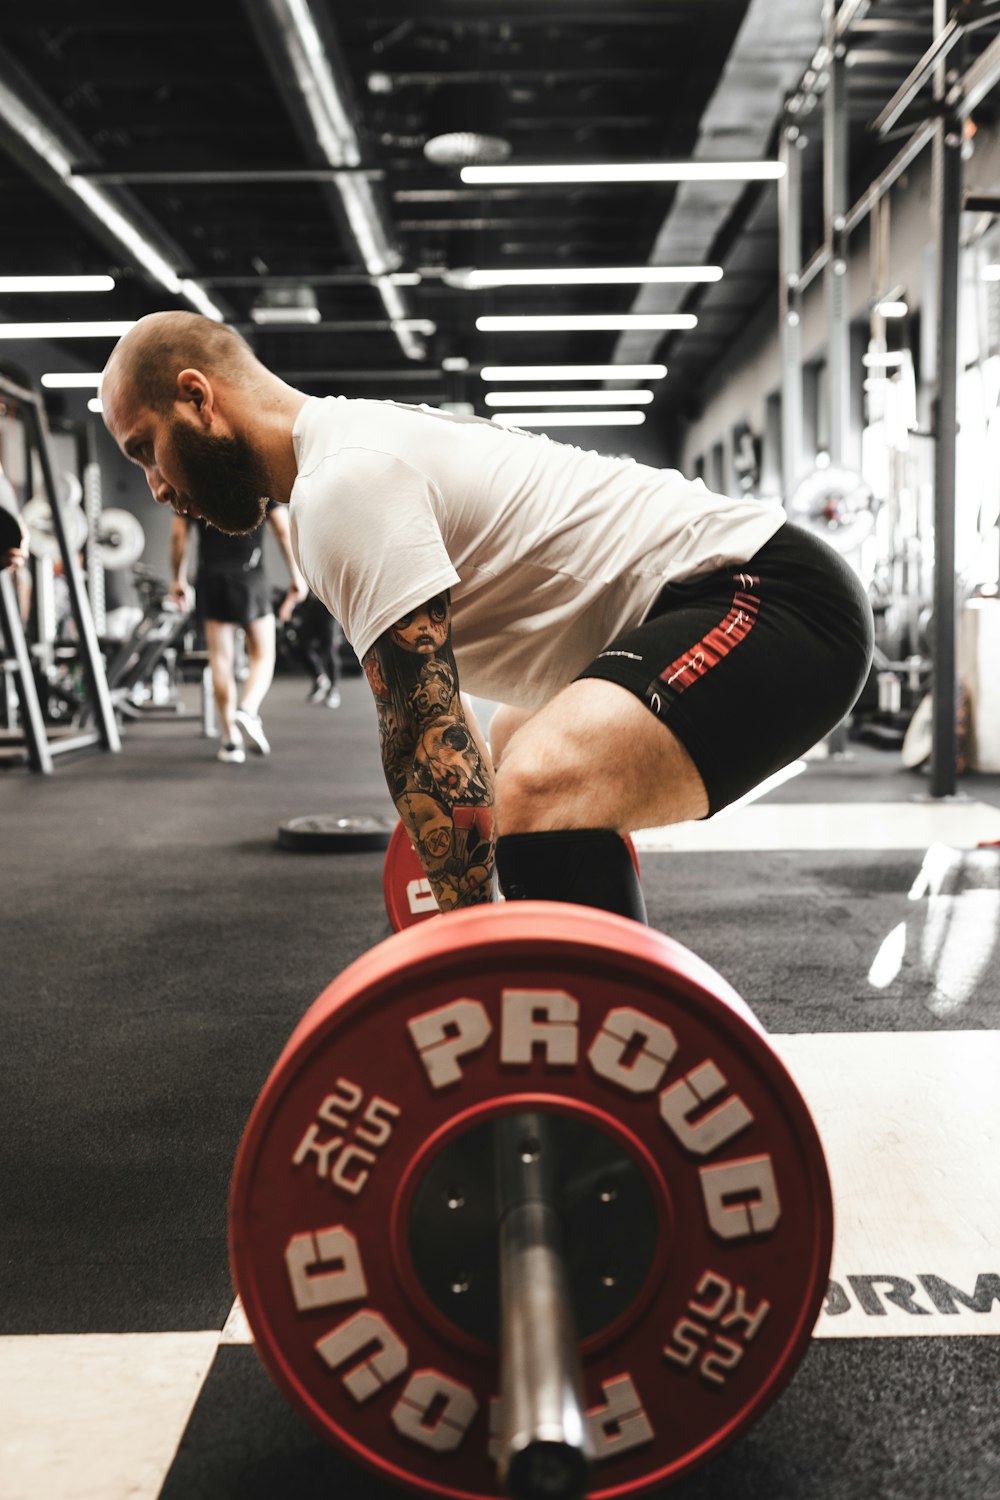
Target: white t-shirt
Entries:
(549, 551)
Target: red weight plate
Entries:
(574, 1011)
(408, 895)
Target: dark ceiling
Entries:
(196, 125)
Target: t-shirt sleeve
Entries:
(368, 541)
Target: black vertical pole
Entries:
(944, 749)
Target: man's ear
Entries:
(194, 390)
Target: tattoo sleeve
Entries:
(438, 772)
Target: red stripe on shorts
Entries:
(699, 660)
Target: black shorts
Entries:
(752, 664)
(233, 598)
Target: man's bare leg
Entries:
(260, 637)
(220, 638)
(595, 757)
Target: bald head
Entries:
(212, 428)
(147, 361)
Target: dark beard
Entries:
(224, 479)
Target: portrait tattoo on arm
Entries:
(438, 775)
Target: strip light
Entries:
(596, 276)
(568, 398)
(665, 171)
(71, 381)
(107, 330)
(584, 322)
(573, 372)
(570, 419)
(57, 283)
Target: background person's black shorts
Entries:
(234, 598)
(752, 664)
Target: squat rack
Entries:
(30, 408)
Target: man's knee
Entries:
(538, 793)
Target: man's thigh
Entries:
(595, 757)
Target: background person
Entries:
(312, 636)
(232, 593)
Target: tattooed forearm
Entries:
(438, 774)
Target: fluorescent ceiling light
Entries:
(596, 276)
(892, 309)
(584, 322)
(95, 404)
(71, 381)
(290, 314)
(573, 372)
(64, 330)
(665, 171)
(568, 398)
(57, 283)
(570, 419)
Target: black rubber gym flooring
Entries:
(157, 950)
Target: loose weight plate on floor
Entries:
(326, 833)
(355, 1146)
(406, 889)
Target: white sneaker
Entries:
(232, 752)
(254, 731)
(332, 699)
(319, 690)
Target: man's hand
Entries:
(181, 595)
(296, 594)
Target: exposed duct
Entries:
(302, 53)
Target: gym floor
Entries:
(158, 949)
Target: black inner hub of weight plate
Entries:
(607, 1213)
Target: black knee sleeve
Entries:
(587, 866)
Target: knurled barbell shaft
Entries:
(545, 1446)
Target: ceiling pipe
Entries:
(301, 49)
(45, 144)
